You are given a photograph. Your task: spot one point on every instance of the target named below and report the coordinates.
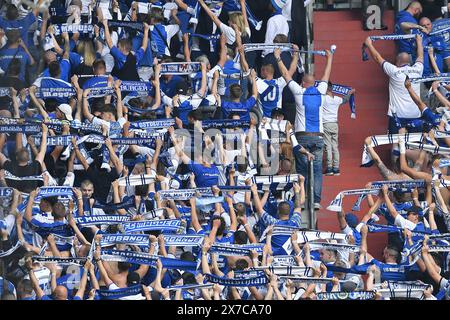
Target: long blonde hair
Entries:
(237, 19)
(86, 49)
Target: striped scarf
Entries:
(333, 246)
(377, 228)
(336, 204)
(386, 139)
(428, 147)
(138, 26)
(365, 56)
(73, 28)
(10, 176)
(288, 270)
(432, 77)
(277, 126)
(308, 280)
(137, 180)
(11, 250)
(283, 182)
(190, 287)
(153, 124)
(184, 194)
(401, 293)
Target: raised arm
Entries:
(373, 52)
(420, 104)
(211, 14)
(108, 38)
(419, 43)
(284, 72)
(145, 39)
(43, 148)
(327, 72)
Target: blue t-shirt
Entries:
(147, 58)
(169, 88)
(96, 82)
(204, 176)
(120, 58)
(65, 70)
(7, 54)
(403, 45)
(243, 109)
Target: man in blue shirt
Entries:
(64, 62)
(15, 48)
(12, 21)
(308, 121)
(404, 22)
(206, 173)
(235, 106)
(125, 61)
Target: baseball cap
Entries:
(67, 110)
(133, 278)
(351, 284)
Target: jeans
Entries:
(313, 144)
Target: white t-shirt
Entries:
(400, 101)
(230, 34)
(331, 108)
(277, 24)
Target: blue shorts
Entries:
(431, 117)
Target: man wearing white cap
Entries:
(64, 112)
(277, 24)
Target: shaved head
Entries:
(425, 22)
(415, 8)
(60, 293)
(402, 59)
(308, 80)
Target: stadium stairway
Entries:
(344, 29)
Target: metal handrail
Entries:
(310, 195)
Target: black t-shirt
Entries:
(431, 9)
(32, 169)
(102, 181)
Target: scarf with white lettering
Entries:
(376, 228)
(180, 68)
(46, 192)
(190, 287)
(101, 219)
(10, 176)
(365, 56)
(183, 240)
(248, 47)
(380, 140)
(432, 77)
(224, 249)
(439, 248)
(343, 90)
(184, 194)
(168, 225)
(23, 128)
(342, 295)
(273, 127)
(308, 280)
(138, 26)
(336, 204)
(60, 261)
(333, 246)
(73, 28)
(259, 280)
(225, 124)
(153, 124)
(284, 260)
(129, 239)
(119, 293)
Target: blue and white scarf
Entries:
(236, 249)
(333, 246)
(225, 124)
(60, 261)
(129, 239)
(120, 293)
(342, 295)
(180, 68)
(183, 240)
(283, 182)
(85, 221)
(137, 180)
(380, 140)
(147, 259)
(376, 228)
(168, 225)
(288, 270)
(138, 26)
(20, 128)
(73, 28)
(343, 90)
(153, 124)
(259, 280)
